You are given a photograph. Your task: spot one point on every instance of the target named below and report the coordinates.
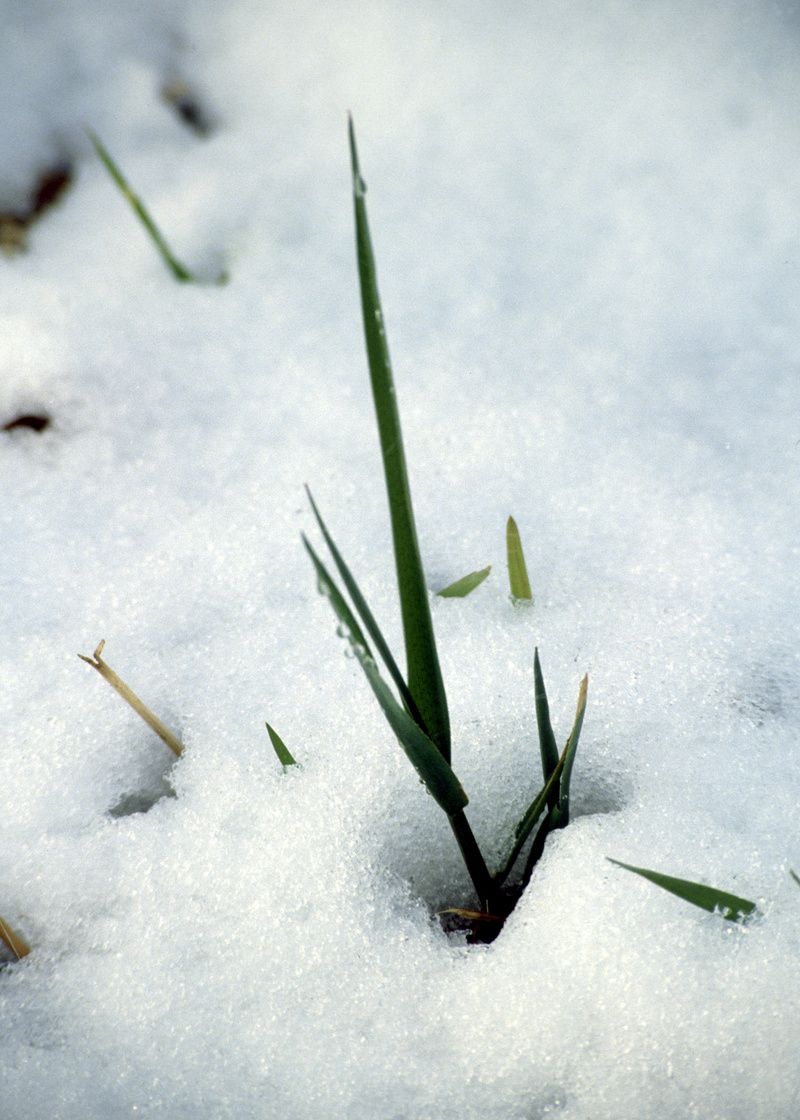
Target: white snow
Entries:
(585, 223)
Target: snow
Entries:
(584, 219)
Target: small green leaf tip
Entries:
(730, 906)
(517, 570)
(281, 750)
(463, 586)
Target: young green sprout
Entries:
(418, 712)
(179, 271)
(283, 753)
(517, 569)
(462, 587)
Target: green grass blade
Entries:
(517, 569)
(530, 817)
(368, 619)
(547, 740)
(423, 754)
(176, 268)
(463, 586)
(730, 906)
(795, 876)
(352, 631)
(561, 813)
(424, 673)
(281, 750)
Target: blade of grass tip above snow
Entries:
(424, 675)
(730, 906)
(127, 694)
(517, 569)
(178, 270)
(462, 587)
(18, 946)
(281, 750)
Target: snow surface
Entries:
(585, 220)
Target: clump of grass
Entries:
(729, 906)
(417, 710)
(178, 270)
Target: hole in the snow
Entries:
(34, 421)
(46, 192)
(143, 800)
(186, 103)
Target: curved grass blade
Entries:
(281, 750)
(547, 740)
(561, 812)
(424, 673)
(463, 586)
(517, 569)
(366, 615)
(127, 694)
(176, 268)
(423, 754)
(730, 906)
(18, 946)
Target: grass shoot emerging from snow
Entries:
(179, 271)
(418, 714)
(462, 587)
(517, 568)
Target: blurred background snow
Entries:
(585, 221)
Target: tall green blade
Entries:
(707, 898)
(547, 740)
(517, 569)
(424, 673)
